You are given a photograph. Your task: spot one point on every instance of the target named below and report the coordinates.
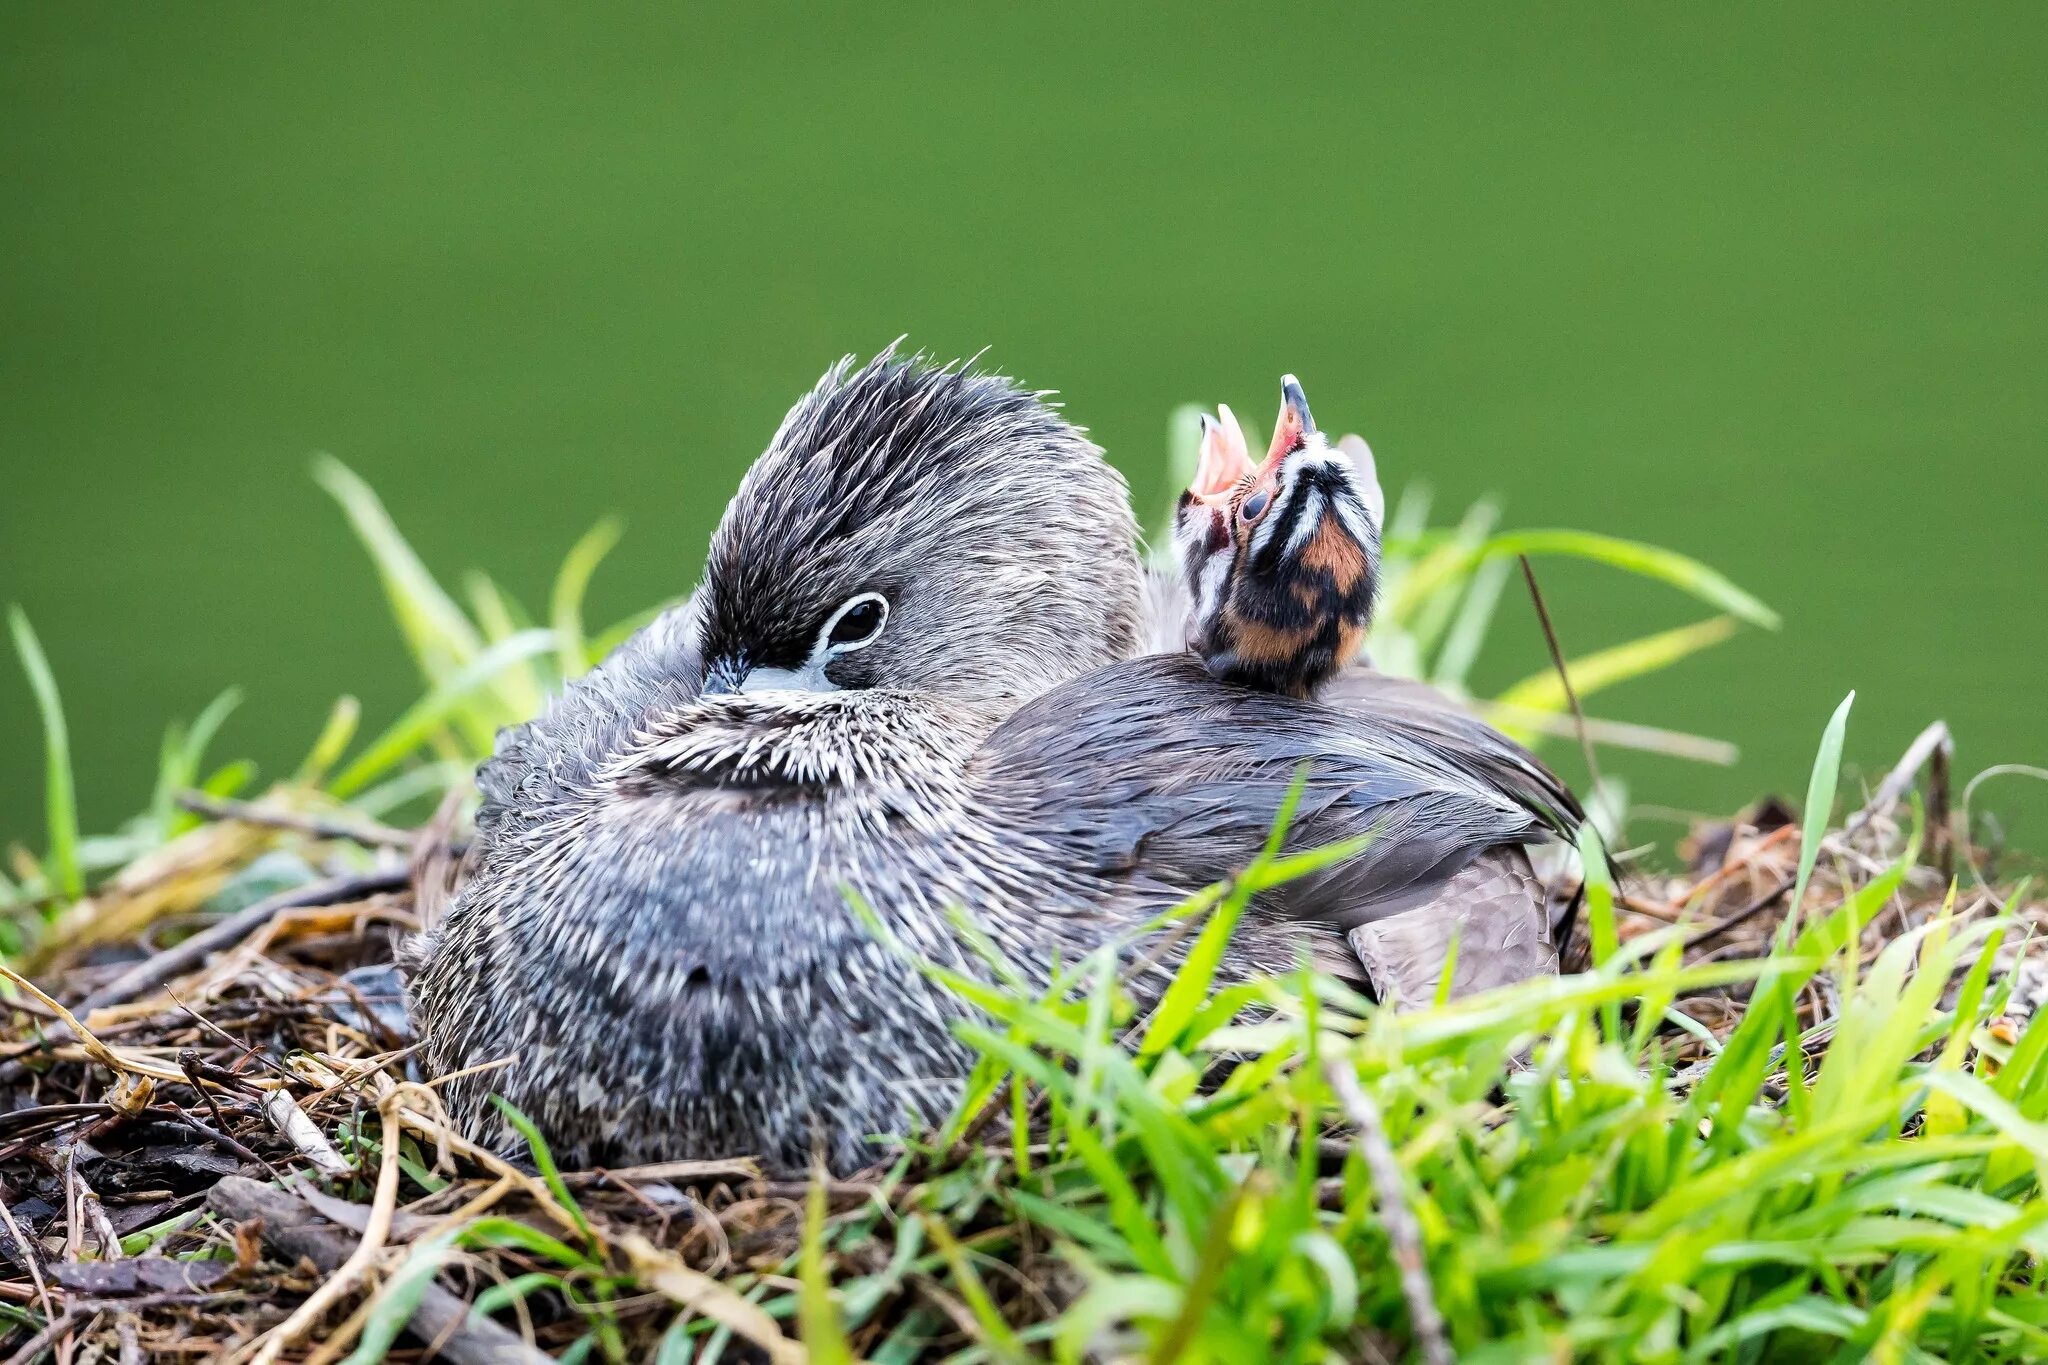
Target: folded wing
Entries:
(1153, 773)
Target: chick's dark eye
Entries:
(859, 623)
(1255, 505)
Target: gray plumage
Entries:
(657, 922)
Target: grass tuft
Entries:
(60, 797)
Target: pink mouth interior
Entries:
(1224, 464)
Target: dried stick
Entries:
(79, 1310)
(1742, 916)
(219, 1138)
(1403, 1231)
(146, 976)
(368, 833)
(296, 1230)
(112, 1059)
(28, 1258)
(83, 1210)
(344, 1278)
(1564, 676)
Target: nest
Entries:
(214, 1143)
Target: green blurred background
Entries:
(1766, 285)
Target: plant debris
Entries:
(225, 1152)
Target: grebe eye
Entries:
(1255, 505)
(859, 621)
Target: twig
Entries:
(466, 1337)
(1925, 746)
(1938, 796)
(28, 1258)
(368, 833)
(82, 1210)
(80, 1310)
(23, 1121)
(1564, 677)
(220, 1138)
(436, 853)
(693, 1289)
(1654, 909)
(121, 1064)
(147, 976)
(189, 1063)
(1732, 865)
(1742, 916)
(344, 1278)
(249, 1052)
(1403, 1232)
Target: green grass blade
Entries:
(332, 742)
(60, 798)
(1406, 529)
(998, 1337)
(497, 615)
(1600, 915)
(399, 1298)
(544, 1161)
(1433, 615)
(201, 735)
(1183, 457)
(1190, 985)
(172, 777)
(412, 730)
(1820, 808)
(1649, 561)
(824, 1337)
(500, 618)
(427, 782)
(1468, 632)
(441, 638)
(1604, 668)
(184, 752)
(565, 605)
(499, 1297)
(617, 633)
(510, 1232)
(229, 778)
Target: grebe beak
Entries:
(1225, 460)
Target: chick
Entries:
(1281, 558)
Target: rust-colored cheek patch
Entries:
(1260, 643)
(1332, 552)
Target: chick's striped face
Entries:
(1281, 558)
(1204, 538)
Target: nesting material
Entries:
(140, 1145)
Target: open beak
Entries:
(1225, 459)
(1290, 433)
(1294, 426)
